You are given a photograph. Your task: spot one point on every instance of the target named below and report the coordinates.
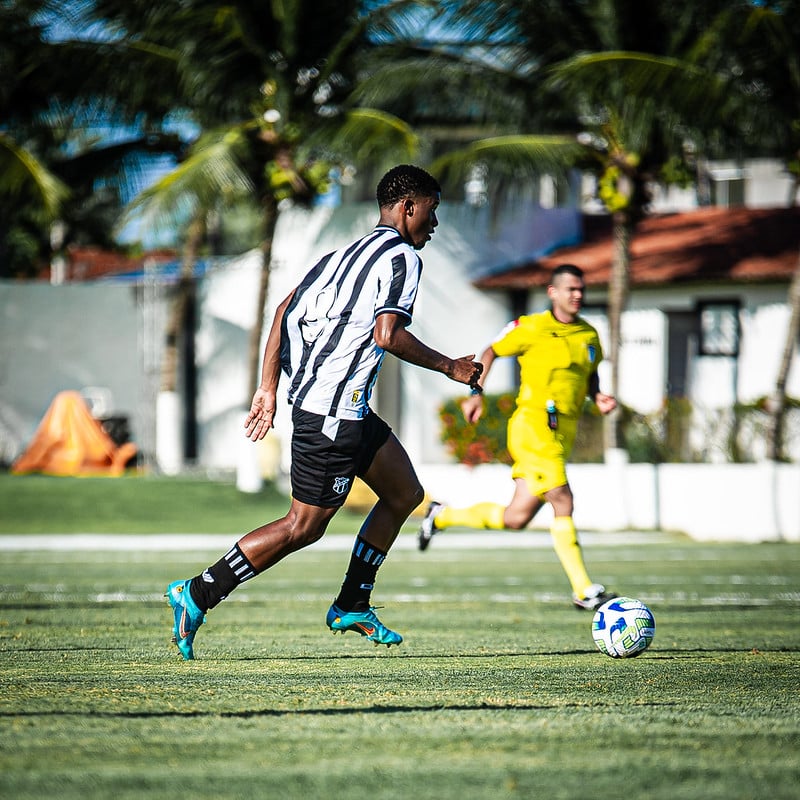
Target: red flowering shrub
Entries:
(484, 442)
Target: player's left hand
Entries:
(466, 370)
(605, 403)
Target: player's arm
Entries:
(262, 409)
(392, 335)
(605, 402)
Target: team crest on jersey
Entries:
(592, 351)
(340, 485)
(356, 397)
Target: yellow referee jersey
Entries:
(555, 358)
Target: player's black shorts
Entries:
(322, 470)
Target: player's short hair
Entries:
(566, 269)
(403, 181)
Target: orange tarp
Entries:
(70, 441)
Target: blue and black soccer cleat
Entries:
(188, 617)
(364, 622)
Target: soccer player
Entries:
(558, 354)
(329, 336)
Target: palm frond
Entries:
(210, 176)
(367, 135)
(23, 173)
(675, 83)
(511, 155)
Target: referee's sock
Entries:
(360, 578)
(568, 550)
(481, 515)
(216, 582)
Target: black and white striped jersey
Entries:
(327, 345)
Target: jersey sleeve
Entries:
(399, 284)
(511, 341)
(594, 350)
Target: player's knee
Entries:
(407, 500)
(417, 496)
(300, 531)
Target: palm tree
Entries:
(768, 44)
(266, 88)
(52, 117)
(641, 89)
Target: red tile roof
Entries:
(706, 245)
(87, 263)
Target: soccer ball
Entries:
(623, 627)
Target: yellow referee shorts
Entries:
(540, 454)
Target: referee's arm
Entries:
(605, 402)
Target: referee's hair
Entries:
(566, 269)
(405, 180)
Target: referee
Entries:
(558, 354)
(329, 337)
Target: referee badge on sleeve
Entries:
(592, 352)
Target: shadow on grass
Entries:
(652, 654)
(322, 712)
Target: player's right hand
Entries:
(261, 416)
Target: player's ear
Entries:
(408, 206)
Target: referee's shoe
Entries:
(595, 596)
(427, 529)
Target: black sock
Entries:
(219, 580)
(360, 578)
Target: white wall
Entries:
(226, 313)
(733, 502)
(54, 338)
(716, 381)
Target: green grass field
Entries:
(497, 692)
(137, 504)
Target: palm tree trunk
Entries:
(617, 300)
(249, 476)
(179, 305)
(169, 428)
(254, 347)
(777, 403)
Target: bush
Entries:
(482, 443)
(665, 436)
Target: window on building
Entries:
(719, 328)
